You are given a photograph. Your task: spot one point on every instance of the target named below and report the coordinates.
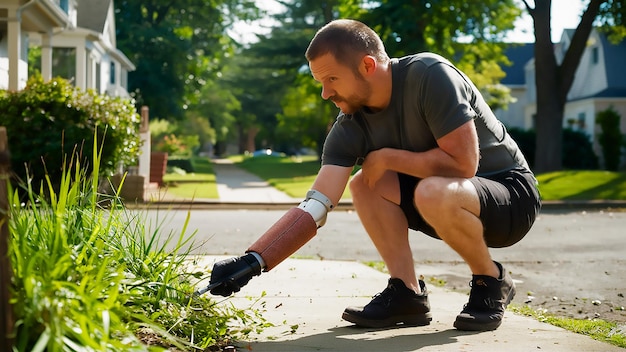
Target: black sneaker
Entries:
(396, 305)
(487, 301)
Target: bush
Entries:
(610, 138)
(184, 164)
(47, 121)
(577, 149)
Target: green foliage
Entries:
(468, 33)
(87, 278)
(578, 152)
(597, 329)
(305, 119)
(178, 139)
(47, 121)
(178, 47)
(612, 19)
(610, 138)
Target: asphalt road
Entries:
(571, 262)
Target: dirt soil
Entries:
(559, 294)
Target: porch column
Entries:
(14, 34)
(46, 57)
(81, 67)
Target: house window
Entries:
(112, 73)
(64, 63)
(594, 55)
(581, 121)
(64, 5)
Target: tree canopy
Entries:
(178, 46)
(260, 94)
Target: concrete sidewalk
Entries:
(305, 298)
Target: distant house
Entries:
(77, 41)
(600, 83)
(515, 80)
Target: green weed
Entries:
(91, 275)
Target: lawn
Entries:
(583, 185)
(197, 184)
(294, 176)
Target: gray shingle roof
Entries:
(519, 55)
(92, 14)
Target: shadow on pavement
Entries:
(364, 340)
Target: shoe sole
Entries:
(469, 326)
(406, 320)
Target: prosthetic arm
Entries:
(287, 235)
(292, 231)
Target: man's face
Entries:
(344, 86)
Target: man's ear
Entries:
(368, 65)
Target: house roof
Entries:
(92, 14)
(519, 55)
(611, 92)
(614, 57)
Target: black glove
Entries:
(233, 274)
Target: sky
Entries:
(565, 14)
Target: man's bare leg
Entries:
(451, 206)
(385, 223)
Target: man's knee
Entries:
(357, 184)
(428, 195)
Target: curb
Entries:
(210, 204)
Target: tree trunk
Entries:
(553, 82)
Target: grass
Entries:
(596, 328)
(90, 275)
(294, 176)
(199, 184)
(583, 185)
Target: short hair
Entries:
(347, 41)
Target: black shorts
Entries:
(509, 204)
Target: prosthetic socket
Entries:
(292, 230)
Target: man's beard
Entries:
(355, 101)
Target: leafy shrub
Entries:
(183, 164)
(92, 279)
(578, 152)
(610, 138)
(175, 139)
(47, 121)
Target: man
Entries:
(433, 158)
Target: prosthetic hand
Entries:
(285, 237)
(233, 274)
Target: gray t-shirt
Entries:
(430, 98)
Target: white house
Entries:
(77, 40)
(599, 83)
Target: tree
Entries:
(178, 46)
(406, 28)
(469, 33)
(271, 71)
(554, 80)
